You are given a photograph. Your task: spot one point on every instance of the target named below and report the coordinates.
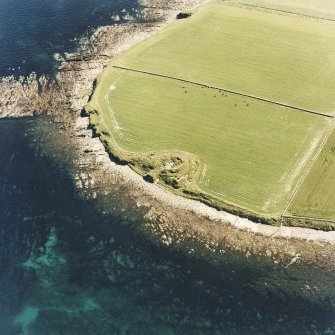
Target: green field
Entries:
(238, 141)
(316, 197)
(230, 151)
(263, 54)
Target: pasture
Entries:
(232, 150)
(271, 56)
(250, 152)
(316, 197)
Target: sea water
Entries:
(32, 31)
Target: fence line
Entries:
(225, 90)
(281, 11)
(307, 218)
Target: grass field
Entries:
(209, 144)
(238, 141)
(263, 54)
(316, 197)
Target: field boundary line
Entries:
(304, 176)
(279, 11)
(284, 216)
(225, 90)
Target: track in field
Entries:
(225, 90)
(282, 11)
(304, 176)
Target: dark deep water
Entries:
(31, 31)
(65, 269)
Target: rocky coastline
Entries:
(180, 224)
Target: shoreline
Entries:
(207, 211)
(173, 221)
(282, 245)
(150, 166)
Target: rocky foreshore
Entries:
(177, 223)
